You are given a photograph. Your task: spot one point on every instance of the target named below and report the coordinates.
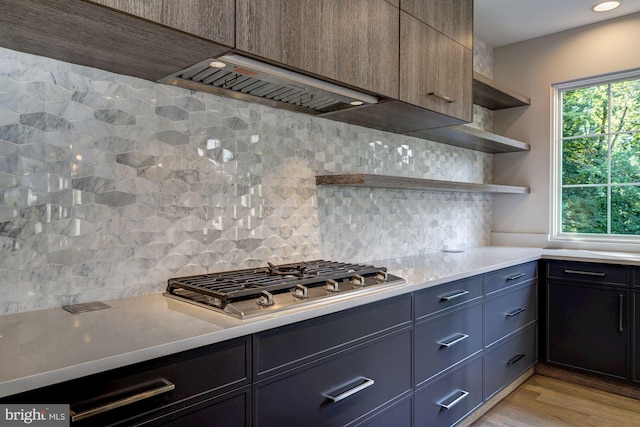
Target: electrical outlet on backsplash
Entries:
(110, 185)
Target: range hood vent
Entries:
(244, 78)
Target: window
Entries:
(597, 159)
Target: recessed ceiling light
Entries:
(356, 103)
(217, 64)
(605, 6)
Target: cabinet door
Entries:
(353, 42)
(209, 19)
(435, 71)
(636, 340)
(453, 18)
(588, 328)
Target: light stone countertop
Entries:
(45, 347)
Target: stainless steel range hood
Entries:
(245, 78)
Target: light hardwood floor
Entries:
(548, 402)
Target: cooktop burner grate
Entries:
(241, 283)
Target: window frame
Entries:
(556, 233)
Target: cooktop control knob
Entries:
(358, 281)
(300, 292)
(381, 276)
(266, 299)
(331, 285)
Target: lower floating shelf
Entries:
(401, 183)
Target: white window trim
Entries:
(555, 235)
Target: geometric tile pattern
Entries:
(110, 185)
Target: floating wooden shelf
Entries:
(491, 95)
(475, 139)
(401, 183)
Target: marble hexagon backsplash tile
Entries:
(110, 185)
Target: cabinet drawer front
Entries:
(588, 272)
(230, 410)
(447, 340)
(507, 361)
(510, 276)
(203, 372)
(399, 415)
(433, 300)
(451, 398)
(279, 348)
(509, 311)
(359, 381)
(636, 276)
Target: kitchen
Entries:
(126, 183)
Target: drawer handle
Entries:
(586, 273)
(454, 402)
(620, 314)
(515, 359)
(516, 312)
(515, 276)
(454, 295)
(363, 382)
(164, 388)
(456, 340)
(443, 97)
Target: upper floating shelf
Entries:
(475, 139)
(402, 183)
(491, 95)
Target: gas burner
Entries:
(252, 292)
(288, 271)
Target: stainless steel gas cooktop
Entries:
(252, 292)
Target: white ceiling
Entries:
(502, 22)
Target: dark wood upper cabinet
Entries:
(88, 34)
(453, 18)
(209, 19)
(353, 42)
(435, 71)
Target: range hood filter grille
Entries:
(263, 81)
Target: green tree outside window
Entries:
(600, 155)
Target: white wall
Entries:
(532, 67)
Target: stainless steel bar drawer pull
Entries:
(515, 359)
(454, 295)
(362, 383)
(516, 312)
(164, 387)
(453, 341)
(620, 314)
(586, 273)
(461, 394)
(515, 276)
(443, 97)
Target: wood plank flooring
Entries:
(548, 402)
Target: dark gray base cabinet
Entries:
(588, 328)
(588, 317)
